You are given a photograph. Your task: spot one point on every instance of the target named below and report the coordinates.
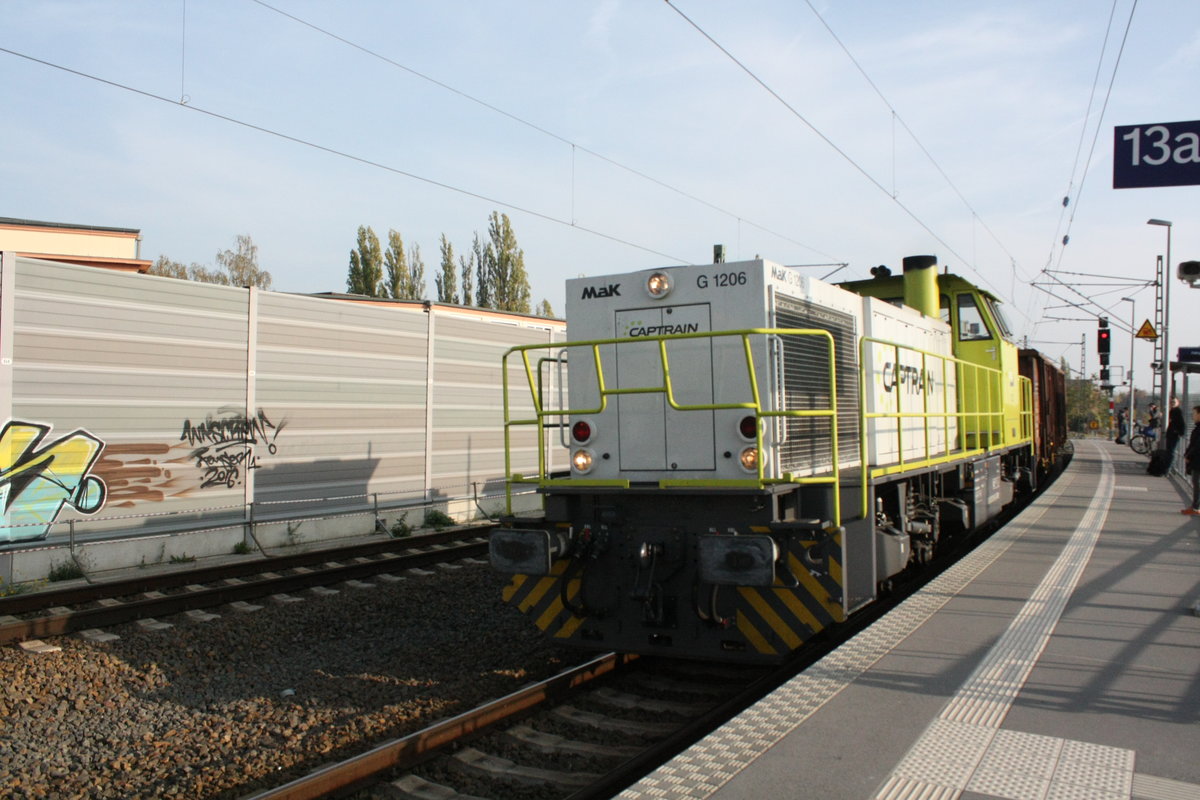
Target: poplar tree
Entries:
(415, 290)
(509, 287)
(468, 278)
(366, 265)
(483, 278)
(399, 281)
(446, 280)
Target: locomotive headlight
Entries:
(749, 459)
(581, 460)
(658, 285)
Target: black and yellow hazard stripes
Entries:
(778, 619)
(541, 597)
(768, 621)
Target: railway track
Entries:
(578, 736)
(582, 734)
(102, 605)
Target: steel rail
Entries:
(77, 595)
(200, 597)
(406, 752)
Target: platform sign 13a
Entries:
(1158, 154)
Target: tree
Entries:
(366, 265)
(241, 265)
(416, 274)
(506, 266)
(168, 269)
(481, 256)
(202, 274)
(446, 281)
(468, 281)
(544, 309)
(1085, 402)
(398, 278)
(235, 267)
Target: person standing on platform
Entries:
(1175, 428)
(1152, 423)
(1191, 460)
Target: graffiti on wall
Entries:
(39, 478)
(142, 472)
(229, 444)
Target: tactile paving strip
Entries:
(1015, 765)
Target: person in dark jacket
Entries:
(1191, 459)
(1175, 427)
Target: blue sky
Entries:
(996, 91)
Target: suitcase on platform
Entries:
(1160, 463)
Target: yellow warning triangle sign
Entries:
(1147, 331)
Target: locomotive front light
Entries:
(658, 285)
(749, 459)
(581, 460)
(581, 431)
(748, 427)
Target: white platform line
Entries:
(969, 724)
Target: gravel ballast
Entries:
(247, 701)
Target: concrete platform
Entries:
(1061, 659)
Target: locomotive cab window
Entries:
(972, 326)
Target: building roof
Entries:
(33, 223)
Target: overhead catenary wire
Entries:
(833, 145)
(1082, 133)
(346, 155)
(1096, 135)
(575, 146)
(897, 119)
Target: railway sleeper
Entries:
(553, 744)
(635, 702)
(413, 787)
(629, 727)
(478, 763)
(660, 683)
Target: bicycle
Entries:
(1143, 441)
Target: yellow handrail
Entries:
(666, 388)
(982, 410)
(990, 378)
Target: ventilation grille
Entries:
(805, 387)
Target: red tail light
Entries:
(581, 432)
(748, 427)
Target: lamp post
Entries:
(1132, 339)
(1166, 324)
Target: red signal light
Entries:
(581, 432)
